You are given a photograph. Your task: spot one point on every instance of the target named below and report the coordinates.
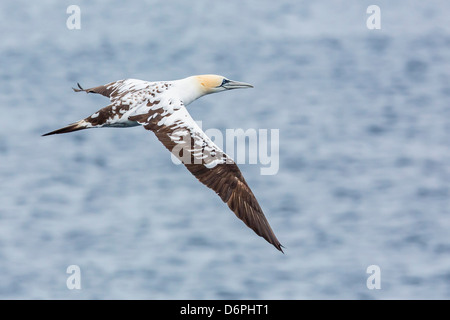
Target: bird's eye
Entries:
(224, 81)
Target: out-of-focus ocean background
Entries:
(364, 165)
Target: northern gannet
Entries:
(160, 107)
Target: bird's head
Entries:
(211, 83)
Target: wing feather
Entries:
(181, 135)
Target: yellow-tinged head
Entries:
(191, 88)
(211, 83)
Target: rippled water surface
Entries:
(364, 166)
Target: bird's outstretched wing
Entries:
(125, 95)
(180, 134)
(136, 90)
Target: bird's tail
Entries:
(79, 125)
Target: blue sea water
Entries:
(364, 168)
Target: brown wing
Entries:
(105, 90)
(181, 135)
(118, 89)
(125, 95)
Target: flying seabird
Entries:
(160, 107)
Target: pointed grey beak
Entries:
(231, 84)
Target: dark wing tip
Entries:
(70, 128)
(274, 241)
(80, 88)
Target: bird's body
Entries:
(161, 107)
